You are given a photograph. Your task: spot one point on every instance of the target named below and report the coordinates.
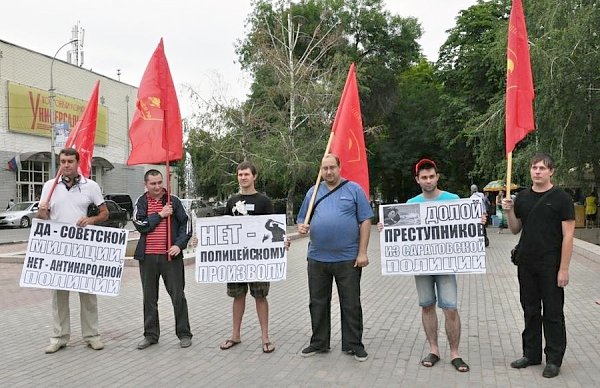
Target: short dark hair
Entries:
(330, 155)
(69, 152)
(544, 158)
(246, 165)
(152, 172)
(425, 164)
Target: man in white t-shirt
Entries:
(476, 194)
(69, 204)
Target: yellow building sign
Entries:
(29, 112)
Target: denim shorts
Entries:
(445, 285)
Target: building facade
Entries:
(25, 123)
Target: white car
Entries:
(19, 215)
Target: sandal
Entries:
(229, 344)
(430, 360)
(268, 347)
(460, 365)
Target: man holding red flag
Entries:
(69, 204)
(153, 212)
(340, 229)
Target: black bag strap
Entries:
(541, 199)
(536, 205)
(325, 196)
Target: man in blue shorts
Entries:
(340, 227)
(427, 176)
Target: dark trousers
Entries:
(320, 282)
(542, 301)
(172, 272)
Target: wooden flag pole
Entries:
(168, 173)
(314, 194)
(508, 174)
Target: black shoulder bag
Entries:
(323, 197)
(514, 253)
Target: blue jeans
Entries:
(320, 282)
(445, 285)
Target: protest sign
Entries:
(435, 237)
(241, 249)
(66, 257)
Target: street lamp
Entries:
(51, 92)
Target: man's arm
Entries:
(566, 250)
(514, 224)
(184, 231)
(43, 211)
(143, 222)
(102, 216)
(363, 242)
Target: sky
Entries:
(199, 36)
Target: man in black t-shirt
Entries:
(249, 202)
(545, 249)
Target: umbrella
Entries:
(499, 185)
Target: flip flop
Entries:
(268, 347)
(460, 365)
(229, 344)
(430, 360)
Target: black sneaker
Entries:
(360, 354)
(551, 371)
(311, 351)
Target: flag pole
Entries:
(49, 197)
(508, 173)
(168, 173)
(314, 194)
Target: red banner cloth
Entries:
(83, 134)
(519, 81)
(156, 131)
(348, 137)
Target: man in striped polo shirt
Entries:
(157, 257)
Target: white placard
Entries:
(435, 237)
(241, 249)
(66, 257)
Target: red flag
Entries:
(348, 138)
(83, 134)
(519, 81)
(156, 131)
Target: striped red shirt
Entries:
(156, 241)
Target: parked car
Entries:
(117, 216)
(20, 214)
(218, 208)
(123, 200)
(198, 207)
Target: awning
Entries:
(100, 161)
(44, 156)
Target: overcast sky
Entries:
(199, 35)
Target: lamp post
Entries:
(51, 93)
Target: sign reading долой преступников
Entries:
(66, 257)
(435, 237)
(241, 249)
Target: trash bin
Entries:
(579, 216)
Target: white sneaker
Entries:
(54, 347)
